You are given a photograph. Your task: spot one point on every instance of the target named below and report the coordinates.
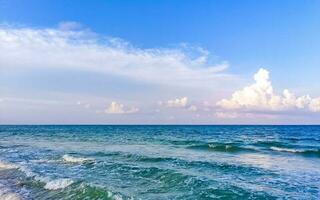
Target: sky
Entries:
(159, 62)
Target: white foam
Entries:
(285, 149)
(114, 196)
(27, 171)
(49, 183)
(71, 159)
(7, 194)
(58, 184)
(5, 165)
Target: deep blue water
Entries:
(160, 162)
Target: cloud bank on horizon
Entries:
(72, 47)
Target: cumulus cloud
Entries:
(182, 102)
(314, 105)
(118, 108)
(260, 96)
(179, 103)
(70, 47)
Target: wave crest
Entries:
(306, 152)
(58, 184)
(71, 159)
(286, 150)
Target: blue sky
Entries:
(235, 39)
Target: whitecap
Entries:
(71, 159)
(286, 150)
(114, 196)
(27, 171)
(49, 183)
(58, 184)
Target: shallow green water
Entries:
(160, 162)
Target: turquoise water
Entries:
(159, 162)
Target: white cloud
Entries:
(118, 108)
(314, 105)
(182, 102)
(69, 47)
(193, 108)
(243, 115)
(260, 96)
(179, 103)
(226, 115)
(69, 25)
(175, 103)
(85, 105)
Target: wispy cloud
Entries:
(70, 47)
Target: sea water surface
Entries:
(159, 162)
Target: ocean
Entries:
(159, 162)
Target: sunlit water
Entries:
(159, 162)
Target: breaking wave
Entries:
(58, 184)
(50, 184)
(306, 152)
(72, 159)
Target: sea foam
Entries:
(5, 165)
(71, 159)
(7, 194)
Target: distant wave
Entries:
(72, 159)
(268, 143)
(184, 142)
(306, 152)
(231, 148)
(43, 161)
